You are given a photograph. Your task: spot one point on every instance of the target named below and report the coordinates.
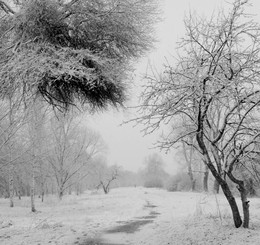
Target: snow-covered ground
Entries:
(127, 216)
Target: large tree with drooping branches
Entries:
(72, 52)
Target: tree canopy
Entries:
(73, 51)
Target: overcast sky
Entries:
(126, 145)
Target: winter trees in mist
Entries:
(56, 56)
(51, 153)
(71, 150)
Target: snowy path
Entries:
(184, 220)
(127, 216)
(172, 210)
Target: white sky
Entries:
(126, 146)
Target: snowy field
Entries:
(127, 216)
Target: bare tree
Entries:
(12, 127)
(106, 175)
(42, 176)
(218, 67)
(11, 121)
(36, 118)
(71, 151)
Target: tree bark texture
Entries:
(245, 204)
(233, 205)
(228, 194)
(193, 185)
(250, 187)
(32, 193)
(60, 194)
(216, 187)
(205, 179)
(226, 190)
(42, 196)
(11, 188)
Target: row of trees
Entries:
(64, 157)
(62, 54)
(47, 150)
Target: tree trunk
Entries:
(105, 188)
(42, 190)
(250, 187)
(216, 187)
(11, 167)
(245, 204)
(232, 203)
(32, 191)
(193, 185)
(228, 194)
(52, 188)
(243, 193)
(42, 196)
(11, 186)
(60, 194)
(19, 195)
(32, 200)
(189, 163)
(33, 184)
(205, 179)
